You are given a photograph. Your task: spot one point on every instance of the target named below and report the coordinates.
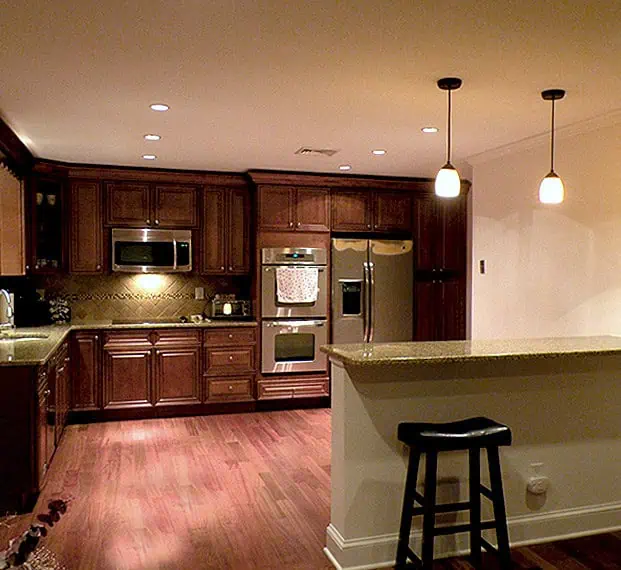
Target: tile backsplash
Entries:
(137, 296)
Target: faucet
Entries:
(8, 316)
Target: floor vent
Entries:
(307, 151)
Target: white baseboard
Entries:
(373, 552)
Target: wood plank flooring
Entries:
(225, 492)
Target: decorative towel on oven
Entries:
(297, 284)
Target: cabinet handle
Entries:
(157, 222)
(27, 267)
(98, 267)
(298, 225)
(230, 268)
(222, 268)
(231, 335)
(37, 266)
(96, 337)
(47, 393)
(230, 388)
(369, 226)
(376, 226)
(230, 359)
(148, 221)
(290, 224)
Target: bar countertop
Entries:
(412, 353)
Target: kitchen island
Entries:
(560, 396)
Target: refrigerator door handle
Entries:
(366, 313)
(371, 300)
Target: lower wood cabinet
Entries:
(287, 387)
(86, 371)
(229, 363)
(146, 368)
(440, 310)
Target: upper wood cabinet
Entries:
(225, 236)
(130, 204)
(441, 235)
(46, 198)
(290, 208)
(86, 254)
(12, 223)
(371, 211)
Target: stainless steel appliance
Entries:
(272, 259)
(230, 308)
(7, 309)
(293, 328)
(151, 251)
(372, 290)
(293, 345)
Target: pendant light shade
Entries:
(551, 190)
(447, 180)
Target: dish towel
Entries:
(297, 284)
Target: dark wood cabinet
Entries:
(289, 208)
(226, 240)
(371, 211)
(151, 205)
(86, 371)
(441, 234)
(229, 363)
(292, 387)
(85, 228)
(146, 368)
(440, 283)
(47, 239)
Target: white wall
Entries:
(551, 270)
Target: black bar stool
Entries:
(472, 434)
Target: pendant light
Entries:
(551, 190)
(447, 179)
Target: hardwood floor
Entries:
(229, 492)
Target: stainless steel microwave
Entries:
(151, 251)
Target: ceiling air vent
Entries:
(307, 151)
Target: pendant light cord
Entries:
(448, 138)
(552, 141)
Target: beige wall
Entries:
(551, 270)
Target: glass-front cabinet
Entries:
(46, 207)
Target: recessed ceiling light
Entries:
(159, 107)
(429, 129)
(149, 156)
(152, 137)
(344, 167)
(378, 151)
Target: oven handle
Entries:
(295, 323)
(275, 267)
(366, 317)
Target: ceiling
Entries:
(250, 82)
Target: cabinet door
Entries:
(238, 232)
(62, 388)
(392, 212)
(86, 235)
(312, 210)
(47, 243)
(275, 208)
(12, 224)
(213, 255)
(127, 377)
(452, 307)
(128, 205)
(85, 372)
(426, 223)
(351, 211)
(42, 426)
(176, 376)
(452, 235)
(175, 206)
(426, 311)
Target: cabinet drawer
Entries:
(230, 389)
(129, 339)
(230, 336)
(229, 361)
(175, 336)
(278, 389)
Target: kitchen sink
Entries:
(13, 335)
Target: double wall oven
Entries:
(294, 309)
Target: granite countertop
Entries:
(412, 353)
(37, 351)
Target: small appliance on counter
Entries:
(228, 307)
(7, 309)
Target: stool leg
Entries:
(475, 506)
(429, 512)
(408, 507)
(502, 533)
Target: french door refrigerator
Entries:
(372, 290)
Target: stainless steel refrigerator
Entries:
(372, 290)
